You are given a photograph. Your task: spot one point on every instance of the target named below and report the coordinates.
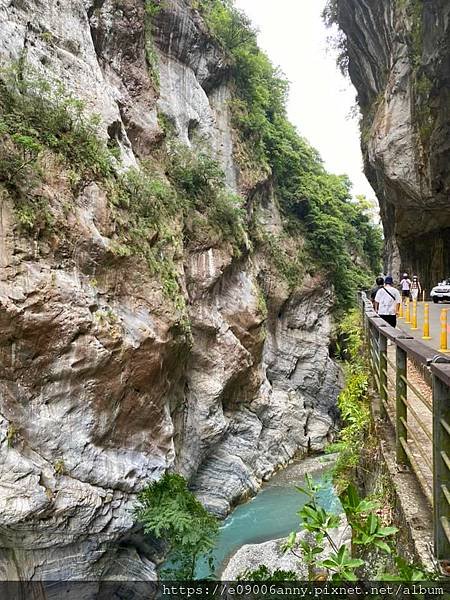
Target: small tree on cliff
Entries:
(169, 511)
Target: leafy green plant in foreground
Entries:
(263, 573)
(340, 564)
(170, 512)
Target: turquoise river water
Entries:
(272, 513)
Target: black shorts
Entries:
(406, 294)
(391, 319)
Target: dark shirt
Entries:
(374, 291)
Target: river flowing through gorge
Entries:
(272, 513)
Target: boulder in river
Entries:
(270, 554)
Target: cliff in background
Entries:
(148, 321)
(398, 54)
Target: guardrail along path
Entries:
(413, 382)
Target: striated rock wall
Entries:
(399, 62)
(100, 392)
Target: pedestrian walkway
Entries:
(435, 323)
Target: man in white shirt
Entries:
(406, 286)
(387, 302)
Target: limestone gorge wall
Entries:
(100, 389)
(398, 55)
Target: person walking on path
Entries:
(406, 286)
(416, 288)
(387, 302)
(379, 282)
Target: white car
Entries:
(441, 291)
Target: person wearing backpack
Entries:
(387, 302)
(378, 285)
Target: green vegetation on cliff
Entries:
(151, 9)
(180, 198)
(46, 134)
(338, 230)
(353, 400)
(38, 117)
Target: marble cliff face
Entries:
(399, 60)
(99, 391)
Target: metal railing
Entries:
(419, 414)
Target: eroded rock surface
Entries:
(100, 390)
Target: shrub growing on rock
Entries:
(36, 112)
(169, 511)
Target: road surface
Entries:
(435, 323)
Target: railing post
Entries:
(401, 392)
(369, 347)
(441, 468)
(367, 336)
(363, 307)
(382, 358)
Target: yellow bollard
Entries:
(407, 312)
(426, 322)
(400, 310)
(414, 317)
(443, 347)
